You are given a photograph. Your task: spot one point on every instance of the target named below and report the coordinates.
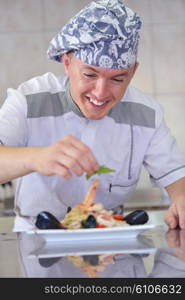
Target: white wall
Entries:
(26, 27)
(162, 64)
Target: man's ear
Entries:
(135, 67)
(66, 59)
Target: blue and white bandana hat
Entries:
(104, 34)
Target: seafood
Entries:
(137, 217)
(90, 214)
(46, 220)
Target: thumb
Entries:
(171, 219)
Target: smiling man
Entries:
(94, 89)
(55, 130)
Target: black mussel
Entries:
(90, 222)
(91, 259)
(69, 209)
(46, 220)
(48, 262)
(136, 217)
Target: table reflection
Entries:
(170, 262)
(38, 259)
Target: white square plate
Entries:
(138, 245)
(91, 234)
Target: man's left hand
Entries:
(175, 216)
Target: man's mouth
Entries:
(96, 103)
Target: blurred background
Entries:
(26, 27)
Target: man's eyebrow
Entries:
(116, 75)
(91, 69)
(121, 74)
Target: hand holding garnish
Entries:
(102, 169)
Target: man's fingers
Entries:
(70, 164)
(171, 220)
(81, 153)
(87, 158)
(181, 214)
(175, 215)
(67, 156)
(78, 158)
(62, 171)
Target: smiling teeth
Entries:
(96, 102)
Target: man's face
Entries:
(96, 90)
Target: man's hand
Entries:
(68, 155)
(175, 216)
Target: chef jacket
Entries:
(41, 112)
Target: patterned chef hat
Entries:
(105, 33)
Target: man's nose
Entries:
(101, 89)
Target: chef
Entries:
(54, 130)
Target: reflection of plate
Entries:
(61, 235)
(138, 245)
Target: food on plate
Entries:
(90, 214)
(46, 220)
(137, 217)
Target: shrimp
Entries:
(74, 218)
(90, 195)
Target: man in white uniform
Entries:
(53, 130)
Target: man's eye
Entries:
(89, 75)
(118, 80)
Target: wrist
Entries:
(31, 158)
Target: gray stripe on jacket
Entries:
(46, 104)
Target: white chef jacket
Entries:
(41, 111)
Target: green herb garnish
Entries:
(102, 169)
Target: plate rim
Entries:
(91, 230)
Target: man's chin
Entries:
(94, 116)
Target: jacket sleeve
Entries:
(163, 159)
(13, 121)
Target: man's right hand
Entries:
(66, 156)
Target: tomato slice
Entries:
(106, 218)
(98, 225)
(118, 217)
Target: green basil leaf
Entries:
(102, 169)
